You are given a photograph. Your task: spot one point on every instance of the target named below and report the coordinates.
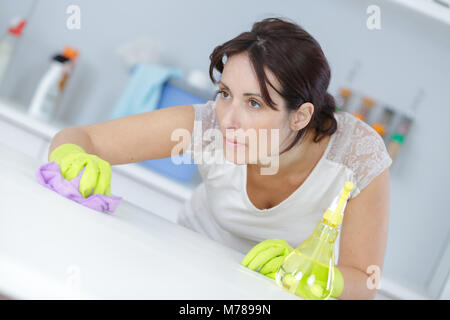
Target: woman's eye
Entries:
(223, 93)
(255, 105)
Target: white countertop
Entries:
(54, 248)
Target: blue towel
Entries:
(144, 89)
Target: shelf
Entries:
(436, 9)
(17, 114)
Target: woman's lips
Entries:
(233, 143)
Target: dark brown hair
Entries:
(297, 61)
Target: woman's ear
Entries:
(301, 117)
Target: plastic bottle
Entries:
(382, 125)
(395, 145)
(343, 98)
(7, 44)
(49, 91)
(308, 271)
(404, 125)
(366, 106)
(398, 138)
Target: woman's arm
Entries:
(132, 138)
(363, 239)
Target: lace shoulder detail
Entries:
(205, 119)
(360, 148)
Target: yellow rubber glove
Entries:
(269, 255)
(338, 283)
(97, 173)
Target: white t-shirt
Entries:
(221, 210)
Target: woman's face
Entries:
(241, 113)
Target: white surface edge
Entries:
(16, 114)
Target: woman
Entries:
(274, 78)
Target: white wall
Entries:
(410, 53)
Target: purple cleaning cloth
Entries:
(49, 175)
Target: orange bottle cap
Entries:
(380, 128)
(368, 101)
(359, 116)
(346, 92)
(70, 53)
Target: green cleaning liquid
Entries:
(311, 285)
(305, 276)
(308, 271)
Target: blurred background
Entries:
(390, 67)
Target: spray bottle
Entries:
(8, 42)
(366, 106)
(48, 95)
(308, 271)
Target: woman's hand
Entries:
(267, 255)
(97, 173)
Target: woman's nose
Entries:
(231, 117)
